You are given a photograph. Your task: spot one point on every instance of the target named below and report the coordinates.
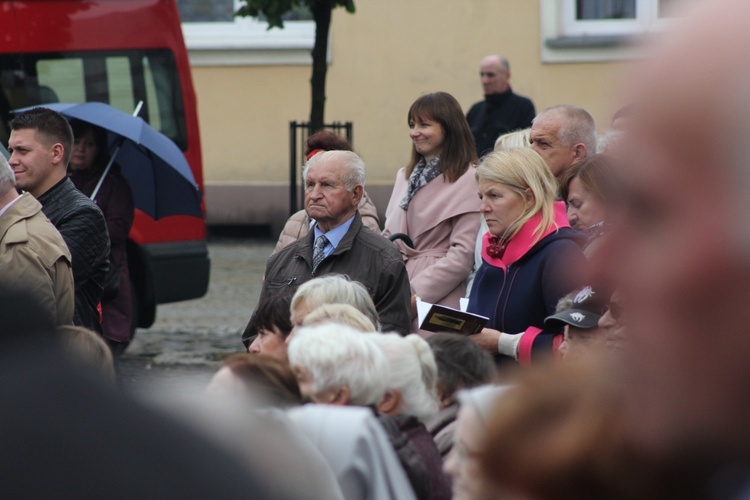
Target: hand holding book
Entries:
(438, 318)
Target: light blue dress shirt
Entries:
(334, 236)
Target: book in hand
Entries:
(437, 318)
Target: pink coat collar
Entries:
(524, 241)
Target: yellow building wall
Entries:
(382, 58)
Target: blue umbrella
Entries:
(156, 169)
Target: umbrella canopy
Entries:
(156, 169)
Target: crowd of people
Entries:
(611, 270)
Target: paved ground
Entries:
(189, 339)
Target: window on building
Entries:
(215, 37)
(591, 30)
(612, 17)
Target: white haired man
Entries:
(564, 136)
(33, 254)
(339, 243)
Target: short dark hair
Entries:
(458, 151)
(49, 123)
(272, 312)
(461, 363)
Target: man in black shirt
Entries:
(501, 111)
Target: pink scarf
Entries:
(525, 240)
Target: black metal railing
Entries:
(298, 134)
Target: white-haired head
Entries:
(412, 373)
(332, 289)
(354, 166)
(339, 358)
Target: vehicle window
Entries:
(61, 80)
(120, 84)
(120, 78)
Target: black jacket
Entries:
(84, 230)
(496, 115)
(364, 256)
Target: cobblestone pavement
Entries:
(189, 339)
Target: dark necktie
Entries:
(318, 254)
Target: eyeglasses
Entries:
(615, 310)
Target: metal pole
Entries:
(292, 168)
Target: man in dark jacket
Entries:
(339, 243)
(501, 111)
(40, 144)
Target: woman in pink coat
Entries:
(434, 201)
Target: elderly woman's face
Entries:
(500, 205)
(462, 463)
(584, 208)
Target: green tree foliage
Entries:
(274, 10)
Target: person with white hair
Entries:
(339, 313)
(411, 400)
(411, 378)
(33, 254)
(332, 289)
(339, 243)
(336, 364)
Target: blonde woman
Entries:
(530, 256)
(516, 139)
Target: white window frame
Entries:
(567, 39)
(246, 41)
(646, 14)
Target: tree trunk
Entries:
(321, 10)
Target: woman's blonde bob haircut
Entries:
(520, 169)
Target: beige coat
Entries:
(298, 224)
(443, 222)
(35, 258)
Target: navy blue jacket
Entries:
(528, 291)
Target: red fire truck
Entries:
(119, 52)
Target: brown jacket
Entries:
(298, 224)
(364, 256)
(35, 258)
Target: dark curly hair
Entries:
(327, 141)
